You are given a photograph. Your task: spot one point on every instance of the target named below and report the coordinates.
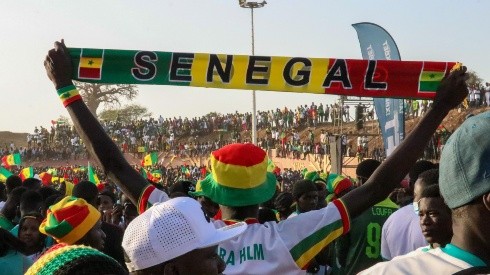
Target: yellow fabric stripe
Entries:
(318, 71)
(91, 62)
(314, 250)
(48, 257)
(431, 76)
(78, 232)
(237, 176)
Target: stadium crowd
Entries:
(238, 220)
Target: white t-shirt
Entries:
(274, 248)
(447, 260)
(401, 233)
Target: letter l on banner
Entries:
(377, 44)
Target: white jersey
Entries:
(447, 260)
(401, 233)
(274, 248)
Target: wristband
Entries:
(68, 95)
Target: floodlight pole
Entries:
(252, 6)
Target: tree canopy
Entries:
(95, 94)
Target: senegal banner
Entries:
(350, 77)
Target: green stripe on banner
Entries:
(429, 86)
(96, 53)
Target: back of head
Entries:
(464, 171)
(69, 220)
(430, 177)
(12, 182)
(181, 188)
(284, 200)
(86, 190)
(239, 176)
(32, 183)
(419, 167)
(74, 259)
(367, 167)
(171, 229)
(30, 201)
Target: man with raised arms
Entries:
(239, 182)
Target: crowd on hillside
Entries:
(181, 137)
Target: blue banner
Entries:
(377, 44)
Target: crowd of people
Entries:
(237, 221)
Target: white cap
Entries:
(171, 229)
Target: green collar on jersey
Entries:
(463, 255)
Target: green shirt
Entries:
(361, 247)
(5, 223)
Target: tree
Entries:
(126, 114)
(95, 94)
(474, 79)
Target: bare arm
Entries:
(59, 70)
(390, 173)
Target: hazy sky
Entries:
(436, 30)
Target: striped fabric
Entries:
(69, 220)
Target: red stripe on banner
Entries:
(343, 214)
(402, 79)
(91, 73)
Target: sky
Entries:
(435, 30)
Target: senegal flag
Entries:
(150, 159)
(26, 173)
(431, 76)
(12, 159)
(90, 66)
(92, 176)
(4, 174)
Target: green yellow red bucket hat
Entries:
(239, 176)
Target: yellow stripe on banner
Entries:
(274, 73)
(237, 176)
(314, 250)
(91, 62)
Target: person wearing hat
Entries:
(210, 207)
(74, 221)
(239, 181)
(176, 237)
(64, 259)
(464, 183)
(337, 186)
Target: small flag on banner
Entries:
(431, 76)
(90, 66)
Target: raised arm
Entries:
(59, 69)
(390, 173)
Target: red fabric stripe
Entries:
(343, 214)
(93, 73)
(144, 198)
(240, 154)
(71, 100)
(74, 214)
